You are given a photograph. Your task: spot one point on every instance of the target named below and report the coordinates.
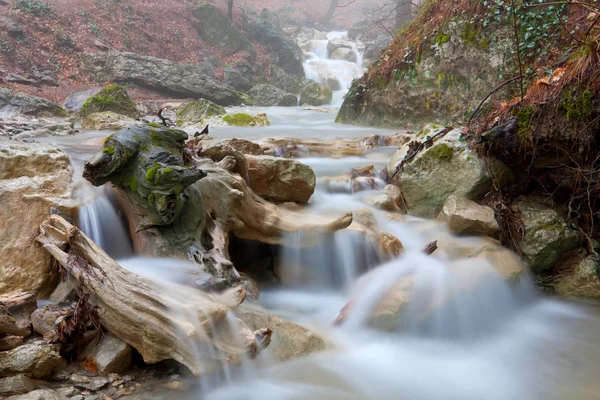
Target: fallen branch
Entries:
(420, 147)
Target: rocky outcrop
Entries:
(267, 96)
(35, 180)
(107, 121)
(581, 279)
(112, 98)
(280, 179)
(34, 360)
(548, 234)
(465, 216)
(288, 341)
(447, 168)
(162, 76)
(18, 103)
(283, 50)
(236, 80)
(315, 94)
(289, 83)
(215, 28)
(195, 112)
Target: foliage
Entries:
(36, 8)
(577, 103)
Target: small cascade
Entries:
(101, 222)
(337, 74)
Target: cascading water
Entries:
(337, 74)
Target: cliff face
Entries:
(439, 67)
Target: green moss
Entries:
(108, 138)
(167, 171)
(577, 103)
(133, 183)
(239, 119)
(471, 34)
(442, 38)
(109, 150)
(155, 125)
(151, 198)
(524, 116)
(112, 98)
(151, 173)
(442, 152)
(178, 190)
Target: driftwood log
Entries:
(161, 321)
(186, 207)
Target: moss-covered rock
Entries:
(267, 96)
(215, 28)
(548, 234)
(112, 98)
(242, 119)
(315, 94)
(195, 112)
(107, 121)
(581, 279)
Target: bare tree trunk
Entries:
(230, 9)
(330, 12)
(403, 13)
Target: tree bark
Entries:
(330, 12)
(230, 9)
(161, 321)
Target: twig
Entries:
(441, 132)
(490, 93)
(514, 15)
(430, 248)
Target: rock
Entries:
(242, 119)
(10, 342)
(266, 96)
(42, 394)
(287, 82)
(16, 384)
(337, 43)
(44, 129)
(45, 320)
(305, 34)
(208, 64)
(75, 101)
(107, 121)
(195, 112)
(322, 74)
(101, 46)
(581, 280)
(15, 103)
(343, 53)
(14, 78)
(390, 200)
(243, 146)
(236, 80)
(465, 216)
(283, 50)
(280, 179)
(111, 98)
(215, 28)
(110, 355)
(547, 234)
(11, 26)
(35, 360)
(34, 179)
(448, 167)
(288, 341)
(315, 94)
(163, 76)
(15, 310)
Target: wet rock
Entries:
(42, 394)
(581, 280)
(323, 75)
(337, 43)
(75, 101)
(390, 200)
(465, 216)
(34, 178)
(305, 34)
(107, 121)
(315, 94)
(243, 146)
(92, 384)
(43, 129)
(110, 355)
(446, 168)
(111, 98)
(34, 360)
(243, 119)
(280, 179)
(18, 103)
(344, 54)
(548, 234)
(215, 28)
(161, 75)
(16, 384)
(266, 96)
(289, 83)
(10, 342)
(15, 310)
(236, 80)
(195, 112)
(288, 341)
(45, 320)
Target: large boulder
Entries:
(243, 119)
(266, 96)
(337, 43)
(195, 112)
(41, 394)
(16, 384)
(315, 94)
(283, 50)
(162, 76)
(111, 98)
(236, 80)
(75, 101)
(35, 180)
(34, 360)
(107, 121)
(215, 28)
(447, 168)
(548, 234)
(287, 82)
(345, 54)
(465, 216)
(581, 279)
(280, 179)
(18, 103)
(288, 341)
